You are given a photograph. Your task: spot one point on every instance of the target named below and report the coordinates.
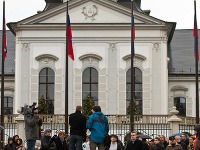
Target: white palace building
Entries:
(164, 61)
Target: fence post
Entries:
(174, 121)
(20, 126)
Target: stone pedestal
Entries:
(174, 121)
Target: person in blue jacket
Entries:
(99, 128)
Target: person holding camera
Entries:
(32, 125)
(47, 142)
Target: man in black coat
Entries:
(157, 144)
(134, 143)
(46, 142)
(77, 122)
(178, 140)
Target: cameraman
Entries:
(32, 126)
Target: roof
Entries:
(126, 3)
(9, 67)
(181, 52)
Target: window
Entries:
(46, 88)
(180, 103)
(8, 105)
(90, 85)
(138, 91)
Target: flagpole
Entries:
(132, 104)
(2, 78)
(66, 74)
(196, 64)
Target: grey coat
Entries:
(32, 127)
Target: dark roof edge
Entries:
(180, 74)
(9, 25)
(171, 32)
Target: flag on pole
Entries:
(4, 37)
(70, 47)
(133, 35)
(195, 33)
(133, 27)
(5, 43)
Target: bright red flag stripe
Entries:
(133, 27)
(195, 34)
(70, 47)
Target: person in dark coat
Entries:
(185, 139)
(77, 122)
(173, 145)
(114, 143)
(10, 145)
(32, 125)
(157, 144)
(46, 142)
(60, 141)
(15, 138)
(163, 141)
(134, 143)
(145, 144)
(197, 140)
(178, 140)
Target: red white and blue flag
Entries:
(195, 34)
(4, 40)
(133, 35)
(70, 47)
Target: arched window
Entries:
(90, 85)
(46, 88)
(8, 105)
(180, 103)
(138, 91)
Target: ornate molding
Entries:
(137, 56)
(93, 56)
(156, 46)
(46, 58)
(179, 88)
(90, 12)
(11, 88)
(112, 46)
(26, 46)
(90, 58)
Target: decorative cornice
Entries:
(46, 56)
(94, 56)
(11, 88)
(127, 57)
(179, 88)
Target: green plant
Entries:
(42, 106)
(87, 106)
(136, 110)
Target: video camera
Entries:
(28, 109)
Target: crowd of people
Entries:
(92, 134)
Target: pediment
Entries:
(90, 11)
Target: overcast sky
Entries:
(180, 11)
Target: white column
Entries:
(18, 93)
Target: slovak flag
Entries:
(4, 41)
(195, 34)
(70, 47)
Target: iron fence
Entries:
(189, 129)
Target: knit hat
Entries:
(47, 130)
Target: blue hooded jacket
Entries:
(98, 126)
